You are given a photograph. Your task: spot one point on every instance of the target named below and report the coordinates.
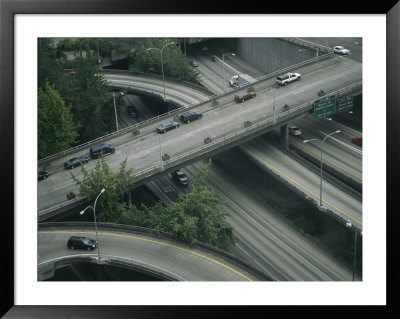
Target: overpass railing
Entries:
(282, 117)
(176, 111)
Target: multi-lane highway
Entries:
(264, 239)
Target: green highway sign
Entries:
(325, 106)
(344, 103)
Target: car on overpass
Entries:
(81, 243)
(162, 128)
(190, 116)
(243, 96)
(76, 161)
(340, 50)
(42, 175)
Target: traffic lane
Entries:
(338, 148)
(264, 239)
(163, 255)
(304, 180)
(143, 151)
(174, 90)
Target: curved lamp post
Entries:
(321, 142)
(223, 67)
(162, 64)
(95, 222)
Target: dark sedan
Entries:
(76, 161)
(42, 175)
(162, 128)
(180, 177)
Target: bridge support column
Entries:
(284, 136)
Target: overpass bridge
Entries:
(225, 123)
(139, 249)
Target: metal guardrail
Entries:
(226, 139)
(173, 112)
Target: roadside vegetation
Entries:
(72, 97)
(196, 216)
(174, 61)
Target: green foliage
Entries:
(135, 132)
(247, 123)
(321, 93)
(166, 157)
(207, 140)
(56, 129)
(174, 61)
(110, 206)
(195, 216)
(71, 195)
(285, 108)
(250, 89)
(214, 102)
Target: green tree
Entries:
(56, 129)
(202, 207)
(175, 63)
(91, 100)
(110, 205)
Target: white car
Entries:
(340, 50)
(294, 130)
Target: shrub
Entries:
(166, 157)
(207, 140)
(285, 108)
(214, 102)
(321, 93)
(71, 195)
(250, 89)
(247, 123)
(135, 132)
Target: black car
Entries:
(42, 175)
(98, 150)
(162, 128)
(76, 161)
(180, 177)
(190, 116)
(131, 111)
(76, 242)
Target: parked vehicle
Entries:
(341, 50)
(357, 140)
(180, 177)
(42, 175)
(241, 97)
(194, 63)
(76, 161)
(294, 130)
(190, 116)
(104, 149)
(76, 242)
(162, 128)
(287, 78)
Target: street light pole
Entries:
(162, 64)
(321, 144)
(161, 162)
(95, 222)
(115, 110)
(223, 67)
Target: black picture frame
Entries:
(8, 9)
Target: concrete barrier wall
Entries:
(272, 54)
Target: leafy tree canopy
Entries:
(110, 205)
(174, 61)
(56, 129)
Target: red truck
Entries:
(241, 97)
